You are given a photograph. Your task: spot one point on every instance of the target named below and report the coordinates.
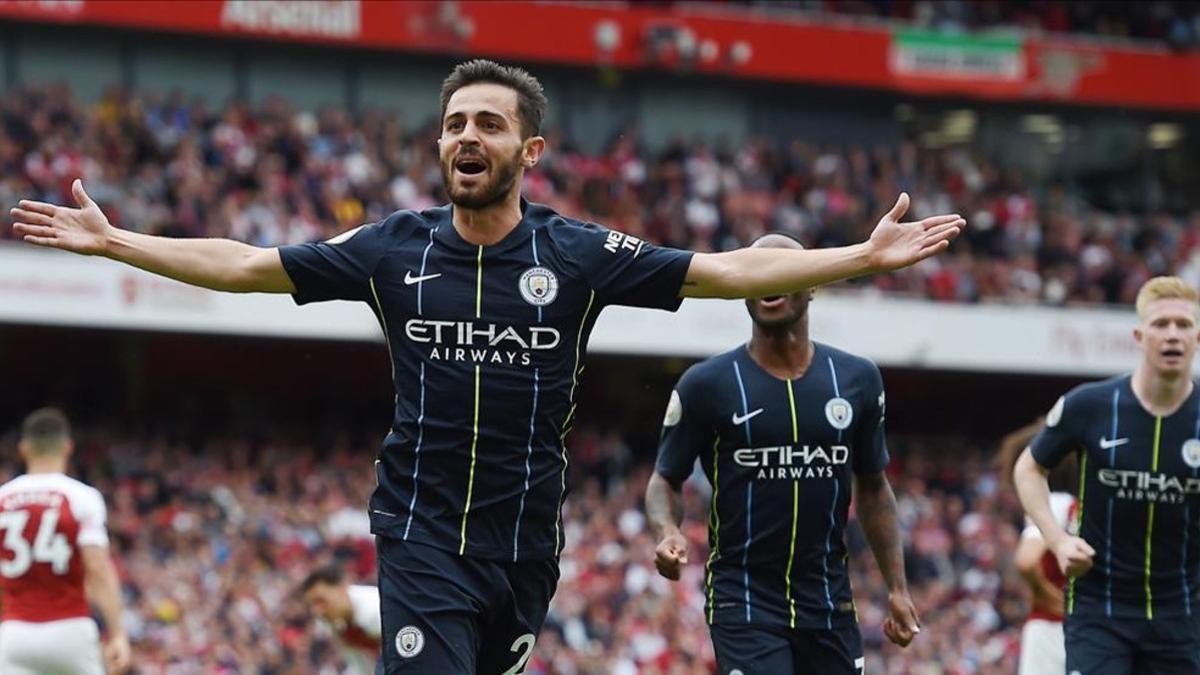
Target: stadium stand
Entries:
(216, 531)
(1177, 22)
(215, 524)
(272, 175)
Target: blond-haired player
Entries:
(54, 558)
(1134, 569)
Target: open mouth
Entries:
(470, 166)
(772, 301)
(1172, 353)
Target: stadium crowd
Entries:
(212, 536)
(272, 175)
(1173, 21)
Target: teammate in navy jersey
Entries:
(486, 305)
(783, 427)
(1131, 596)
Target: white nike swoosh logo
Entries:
(1106, 444)
(741, 419)
(409, 279)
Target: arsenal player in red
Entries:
(54, 559)
(351, 610)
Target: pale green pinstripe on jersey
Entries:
(383, 322)
(462, 535)
(1150, 519)
(787, 575)
(562, 437)
(792, 553)
(1078, 524)
(715, 523)
(792, 407)
(386, 338)
(479, 284)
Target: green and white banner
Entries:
(922, 53)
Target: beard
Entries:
(503, 175)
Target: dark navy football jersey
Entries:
(487, 347)
(1139, 486)
(779, 455)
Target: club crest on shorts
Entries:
(1191, 452)
(410, 641)
(839, 412)
(538, 286)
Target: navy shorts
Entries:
(453, 615)
(750, 649)
(1098, 645)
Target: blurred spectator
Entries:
(213, 536)
(273, 175)
(1175, 22)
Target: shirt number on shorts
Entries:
(49, 546)
(524, 647)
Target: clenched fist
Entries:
(1074, 556)
(671, 555)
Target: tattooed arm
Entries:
(876, 505)
(664, 511)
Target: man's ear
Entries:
(535, 147)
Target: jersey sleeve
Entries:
(870, 447)
(92, 516)
(337, 269)
(1064, 430)
(687, 429)
(625, 270)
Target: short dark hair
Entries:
(777, 233)
(329, 575)
(531, 100)
(46, 429)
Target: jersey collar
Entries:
(450, 237)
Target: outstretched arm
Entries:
(219, 264)
(876, 506)
(758, 272)
(664, 510)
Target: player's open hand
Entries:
(894, 244)
(671, 555)
(81, 230)
(1074, 556)
(902, 625)
(117, 653)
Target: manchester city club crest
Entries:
(538, 286)
(839, 412)
(1191, 452)
(410, 641)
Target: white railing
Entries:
(45, 287)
